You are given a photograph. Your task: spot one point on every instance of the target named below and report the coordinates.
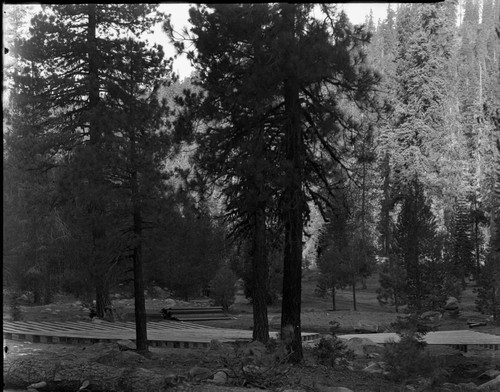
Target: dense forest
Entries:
(299, 141)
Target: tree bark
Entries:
(139, 300)
(293, 196)
(94, 174)
(260, 278)
(101, 295)
(334, 307)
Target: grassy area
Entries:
(316, 312)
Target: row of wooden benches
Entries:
(188, 314)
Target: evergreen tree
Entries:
(334, 261)
(419, 252)
(84, 74)
(278, 81)
(461, 257)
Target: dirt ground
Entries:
(316, 317)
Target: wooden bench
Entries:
(191, 314)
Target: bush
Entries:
(15, 308)
(407, 360)
(222, 288)
(255, 364)
(332, 351)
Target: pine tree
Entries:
(83, 74)
(461, 255)
(304, 79)
(418, 249)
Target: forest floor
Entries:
(316, 317)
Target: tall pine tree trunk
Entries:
(141, 332)
(334, 306)
(94, 174)
(293, 198)
(260, 278)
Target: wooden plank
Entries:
(192, 335)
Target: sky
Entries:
(356, 12)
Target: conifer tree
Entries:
(78, 49)
(278, 81)
(419, 252)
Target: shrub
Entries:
(15, 308)
(331, 351)
(222, 288)
(407, 360)
(255, 364)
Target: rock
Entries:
(451, 304)
(171, 378)
(124, 345)
(489, 374)
(38, 385)
(492, 385)
(84, 385)
(326, 388)
(431, 316)
(199, 373)
(375, 368)
(169, 303)
(362, 346)
(469, 387)
(96, 320)
(23, 298)
(220, 377)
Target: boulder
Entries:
(451, 304)
(38, 385)
(492, 385)
(124, 345)
(199, 373)
(220, 377)
(375, 368)
(169, 303)
(362, 346)
(489, 374)
(431, 316)
(326, 388)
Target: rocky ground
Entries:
(106, 367)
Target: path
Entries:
(165, 333)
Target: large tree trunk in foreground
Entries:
(139, 299)
(293, 211)
(293, 199)
(260, 272)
